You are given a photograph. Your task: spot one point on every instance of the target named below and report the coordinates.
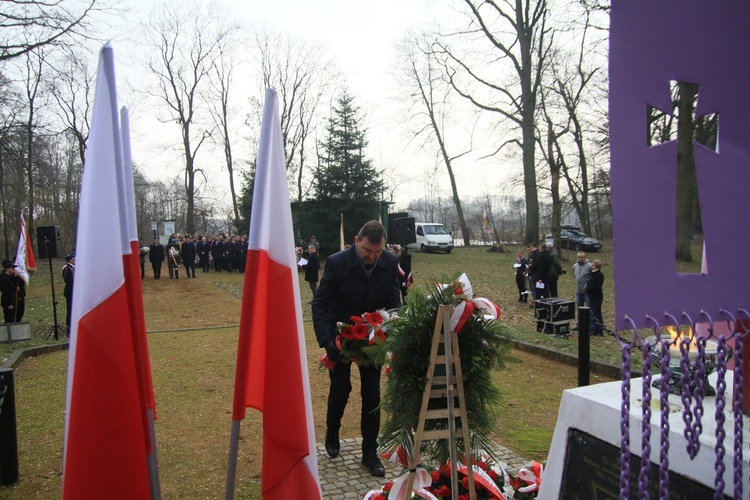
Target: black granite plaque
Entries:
(592, 471)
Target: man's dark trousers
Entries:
(338, 396)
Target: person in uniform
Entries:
(68, 274)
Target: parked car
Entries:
(573, 239)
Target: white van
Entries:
(431, 237)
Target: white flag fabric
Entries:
(106, 442)
(271, 370)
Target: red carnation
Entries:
(356, 319)
(388, 486)
(442, 492)
(435, 476)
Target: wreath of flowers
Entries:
(362, 341)
(482, 350)
(491, 481)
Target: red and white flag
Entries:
(25, 262)
(271, 359)
(106, 449)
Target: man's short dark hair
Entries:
(373, 231)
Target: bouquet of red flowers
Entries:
(361, 341)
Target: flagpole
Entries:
(234, 441)
(131, 234)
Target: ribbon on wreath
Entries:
(469, 306)
(531, 474)
(399, 455)
(422, 481)
(482, 478)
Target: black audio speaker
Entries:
(402, 231)
(391, 218)
(52, 233)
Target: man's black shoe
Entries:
(332, 443)
(372, 462)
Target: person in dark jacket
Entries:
(532, 272)
(520, 271)
(8, 291)
(68, 274)
(217, 252)
(156, 256)
(311, 268)
(596, 297)
(543, 264)
(361, 279)
(404, 272)
(142, 251)
(188, 256)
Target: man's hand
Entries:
(333, 352)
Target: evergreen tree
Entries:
(343, 172)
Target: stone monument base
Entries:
(15, 331)
(584, 459)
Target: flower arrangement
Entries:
(409, 341)
(491, 481)
(361, 341)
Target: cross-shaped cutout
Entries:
(690, 128)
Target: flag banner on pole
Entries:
(342, 241)
(105, 454)
(25, 262)
(271, 373)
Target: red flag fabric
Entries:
(105, 453)
(25, 262)
(271, 370)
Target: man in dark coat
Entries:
(311, 268)
(228, 250)
(532, 272)
(8, 291)
(543, 262)
(156, 257)
(217, 252)
(188, 255)
(358, 280)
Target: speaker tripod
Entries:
(55, 329)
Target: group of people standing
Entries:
(537, 274)
(220, 253)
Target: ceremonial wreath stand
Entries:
(444, 390)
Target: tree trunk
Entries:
(686, 180)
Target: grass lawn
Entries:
(192, 344)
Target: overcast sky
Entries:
(360, 37)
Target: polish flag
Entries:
(105, 453)
(25, 262)
(271, 359)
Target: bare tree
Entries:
(27, 25)
(220, 110)
(188, 42)
(518, 36)
(301, 76)
(428, 97)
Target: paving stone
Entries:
(344, 478)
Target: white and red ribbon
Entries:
(484, 479)
(422, 481)
(532, 476)
(469, 305)
(465, 309)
